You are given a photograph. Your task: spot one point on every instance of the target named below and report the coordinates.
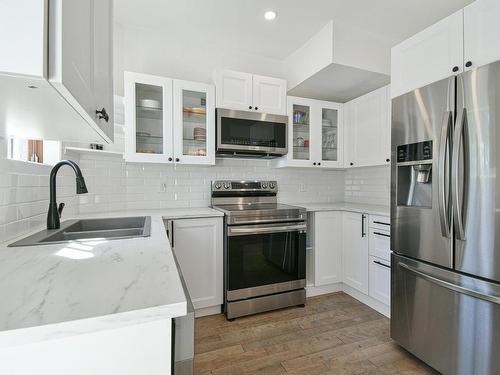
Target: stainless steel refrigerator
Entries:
(445, 220)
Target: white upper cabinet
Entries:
(64, 45)
(481, 33)
(429, 56)
(315, 134)
(194, 122)
(249, 92)
(368, 129)
(234, 90)
(269, 95)
(168, 121)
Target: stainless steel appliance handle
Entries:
(458, 212)
(443, 201)
(260, 229)
(451, 286)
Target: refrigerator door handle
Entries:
(458, 212)
(442, 180)
(451, 286)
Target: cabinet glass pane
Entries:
(194, 123)
(301, 132)
(329, 134)
(148, 119)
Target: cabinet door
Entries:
(380, 280)
(327, 247)
(234, 90)
(355, 251)
(103, 64)
(71, 52)
(368, 130)
(197, 244)
(269, 95)
(300, 133)
(148, 118)
(428, 56)
(481, 31)
(194, 123)
(331, 129)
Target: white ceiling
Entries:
(240, 25)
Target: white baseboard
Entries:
(367, 300)
(312, 290)
(212, 310)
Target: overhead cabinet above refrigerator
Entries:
(56, 76)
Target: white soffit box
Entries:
(338, 63)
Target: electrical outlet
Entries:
(303, 188)
(163, 187)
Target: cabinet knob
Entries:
(249, 107)
(314, 163)
(351, 163)
(319, 163)
(388, 160)
(177, 160)
(102, 114)
(455, 69)
(169, 159)
(468, 64)
(256, 108)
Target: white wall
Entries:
(144, 51)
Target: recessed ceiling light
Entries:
(270, 15)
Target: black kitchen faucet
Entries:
(54, 213)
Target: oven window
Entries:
(255, 260)
(253, 133)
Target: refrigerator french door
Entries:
(445, 207)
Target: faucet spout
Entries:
(54, 213)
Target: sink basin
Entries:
(87, 229)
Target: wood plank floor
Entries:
(333, 334)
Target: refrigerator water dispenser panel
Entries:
(414, 175)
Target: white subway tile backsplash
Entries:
(368, 185)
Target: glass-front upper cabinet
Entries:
(315, 134)
(194, 122)
(168, 121)
(331, 134)
(148, 118)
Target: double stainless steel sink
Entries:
(91, 229)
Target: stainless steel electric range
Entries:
(264, 248)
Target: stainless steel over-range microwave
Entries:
(251, 134)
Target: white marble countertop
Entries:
(52, 291)
(371, 209)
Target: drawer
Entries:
(380, 222)
(380, 280)
(380, 243)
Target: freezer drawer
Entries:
(450, 321)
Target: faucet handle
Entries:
(60, 208)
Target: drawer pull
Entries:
(382, 234)
(381, 264)
(379, 222)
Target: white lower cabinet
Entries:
(380, 280)
(327, 247)
(198, 247)
(355, 251)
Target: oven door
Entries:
(249, 132)
(265, 259)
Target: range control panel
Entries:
(244, 186)
(415, 152)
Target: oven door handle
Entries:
(262, 229)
